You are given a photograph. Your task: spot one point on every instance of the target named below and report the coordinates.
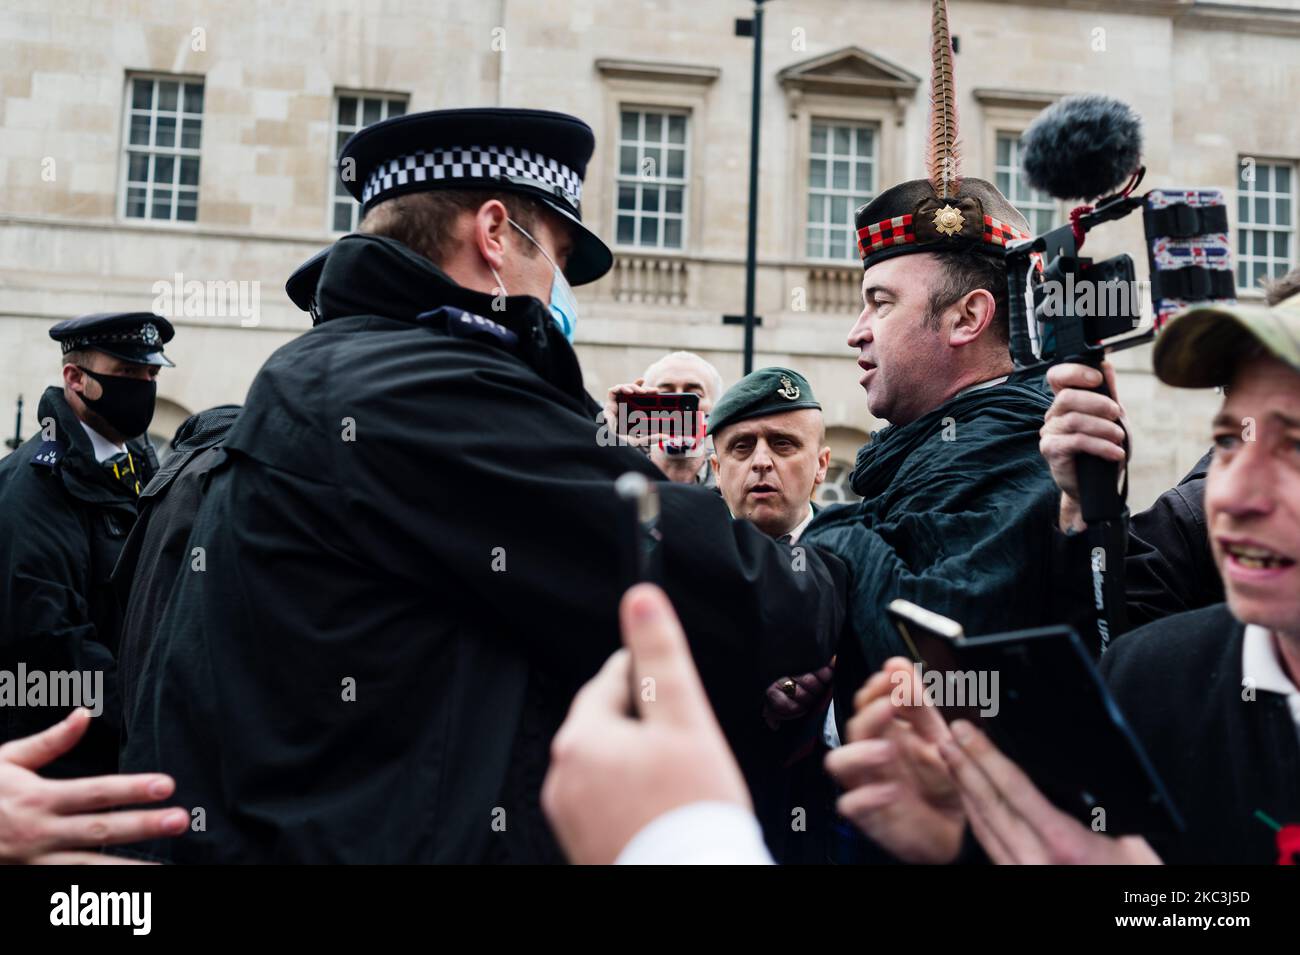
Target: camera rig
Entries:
(1082, 309)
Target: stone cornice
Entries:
(658, 72)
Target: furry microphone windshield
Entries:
(1083, 147)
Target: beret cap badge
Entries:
(948, 220)
(788, 388)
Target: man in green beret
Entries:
(769, 455)
(770, 451)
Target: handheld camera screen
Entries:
(671, 419)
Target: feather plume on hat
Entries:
(942, 159)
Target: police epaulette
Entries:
(48, 454)
(462, 324)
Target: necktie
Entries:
(122, 468)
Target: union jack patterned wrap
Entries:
(1210, 252)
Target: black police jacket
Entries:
(63, 521)
(411, 565)
(155, 549)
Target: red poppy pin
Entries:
(1288, 839)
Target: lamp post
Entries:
(753, 28)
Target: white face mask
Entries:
(563, 304)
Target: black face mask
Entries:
(126, 404)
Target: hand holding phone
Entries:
(670, 420)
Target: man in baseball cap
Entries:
(1208, 345)
(1213, 694)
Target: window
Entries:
(652, 164)
(841, 177)
(164, 130)
(355, 111)
(1038, 208)
(1265, 221)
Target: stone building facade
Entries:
(151, 149)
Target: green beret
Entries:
(764, 392)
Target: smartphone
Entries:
(1050, 712)
(673, 416)
(932, 641)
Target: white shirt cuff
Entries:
(701, 833)
(831, 732)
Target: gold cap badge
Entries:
(948, 220)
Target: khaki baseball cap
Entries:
(1201, 346)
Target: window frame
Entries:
(815, 118)
(1245, 230)
(177, 152)
(387, 97)
(806, 107)
(619, 179)
(1045, 204)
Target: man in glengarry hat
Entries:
(413, 541)
(957, 504)
(68, 499)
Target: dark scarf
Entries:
(880, 458)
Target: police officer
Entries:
(67, 502)
(411, 548)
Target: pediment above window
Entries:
(851, 71)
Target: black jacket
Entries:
(1168, 565)
(63, 520)
(411, 566)
(155, 550)
(956, 516)
(1224, 757)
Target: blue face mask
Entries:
(564, 306)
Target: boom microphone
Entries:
(1083, 147)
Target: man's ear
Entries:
(489, 227)
(823, 462)
(713, 461)
(72, 375)
(974, 314)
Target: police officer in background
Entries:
(411, 549)
(67, 502)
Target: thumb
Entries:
(604, 697)
(921, 713)
(33, 752)
(654, 636)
